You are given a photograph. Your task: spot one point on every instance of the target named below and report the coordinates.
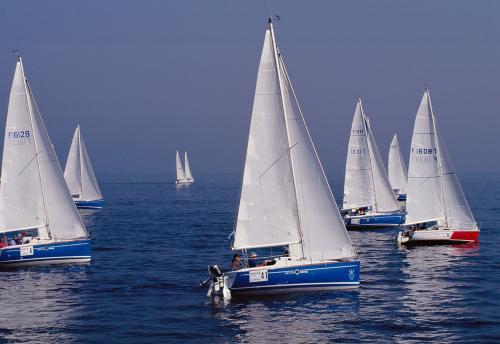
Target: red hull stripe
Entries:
(465, 235)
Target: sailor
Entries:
(252, 261)
(235, 262)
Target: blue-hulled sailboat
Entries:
(396, 169)
(369, 201)
(285, 200)
(39, 223)
(80, 176)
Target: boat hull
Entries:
(437, 237)
(93, 204)
(298, 278)
(372, 221)
(77, 251)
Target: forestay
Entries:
(57, 211)
(398, 175)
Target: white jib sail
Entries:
(78, 173)
(424, 195)
(358, 182)
(267, 213)
(324, 235)
(458, 213)
(385, 199)
(73, 169)
(181, 176)
(398, 175)
(59, 212)
(187, 168)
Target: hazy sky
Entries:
(145, 77)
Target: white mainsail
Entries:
(398, 175)
(33, 192)
(78, 172)
(285, 197)
(434, 192)
(187, 168)
(181, 176)
(366, 182)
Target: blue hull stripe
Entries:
(376, 220)
(56, 251)
(95, 204)
(327, 275)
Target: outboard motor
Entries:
(214, 272)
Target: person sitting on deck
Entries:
(12, 242)
(3, 241)
(252, 261)
(235, 262)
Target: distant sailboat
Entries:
(80, 176)
(369, 201)
(285, 200)
(398, 175)
(437, 210)
(184, 175)
(39, 223)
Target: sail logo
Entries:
(358, 131)
(351, 274)
(423, 154)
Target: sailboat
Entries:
(184, 175)
(369, 201)
(80, 176)
(398, 175)
(39, 222)
(437, 210)
(285, 200)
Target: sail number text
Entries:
(423, 154)
(19, 137)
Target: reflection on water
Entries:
(306, 318)
(40, 304)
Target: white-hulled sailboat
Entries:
(39, 223)
(437, 210)
(184, 175)
(369, 201)
(285, 199)
(398, 175)
(80, 176)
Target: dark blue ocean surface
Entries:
(153, 241)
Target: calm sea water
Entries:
(153, 241)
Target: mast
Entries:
(365, 124)
(276, 54)
(30, 107)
